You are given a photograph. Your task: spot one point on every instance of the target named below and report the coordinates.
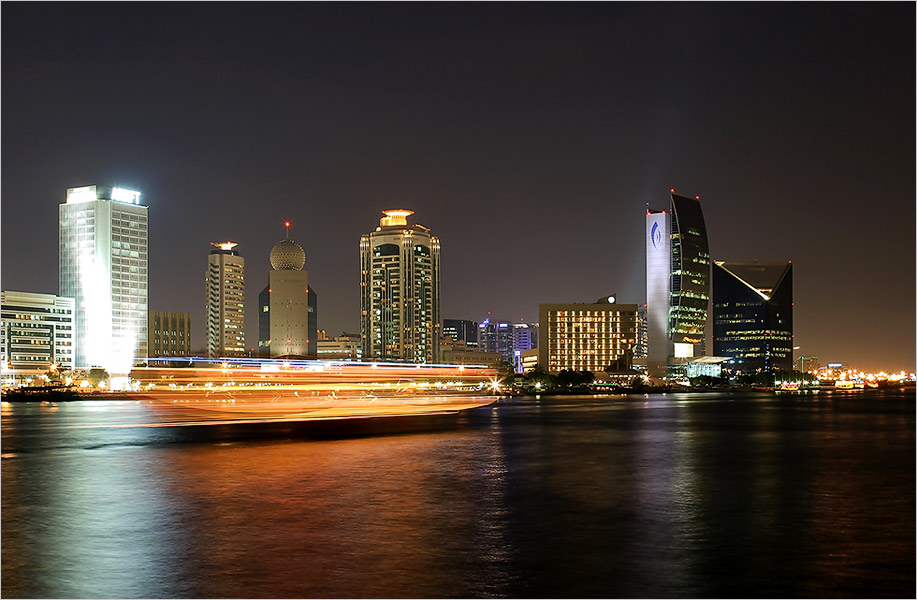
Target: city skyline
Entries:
(531, 142)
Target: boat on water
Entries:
(310, 390)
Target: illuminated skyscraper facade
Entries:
(225, 286)
(103, 246)
(677, 282)
(753, 316)
(399, 281)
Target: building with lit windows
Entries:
(225, 283)
(496, 336)
(590, 337)
(677, 283)
(103, 266)
(287, 307)
(461, 330)
(170, 333)
(36, 331)
(753, 316)
(399, 295)
(641, 348)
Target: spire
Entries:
(286, 225)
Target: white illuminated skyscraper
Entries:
(103, 267)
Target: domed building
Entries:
(288, 306)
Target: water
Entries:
(659, 496)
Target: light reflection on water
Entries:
(674, 496)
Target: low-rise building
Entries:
(36, 332)
(170, 333)
(458, 353)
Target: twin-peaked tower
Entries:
(399, 279)
(677, 283)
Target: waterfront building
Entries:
(592, 337)
(225, 283)
(170, 333)
(457, 352)
(36, 332)
(399, 296)
(806, 364)
(461, 330)
(753, 316)
(103, 242)
(287, 307)
(677, 283)
(527, 361)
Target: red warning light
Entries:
(697, 197)
(269, 290)
(672, 190)
(286, 223)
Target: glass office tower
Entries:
(103, 266)
(677, 282)
(753, 316)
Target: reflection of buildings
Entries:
(591, 337)
(225, 301)
(103, 267)
(753, 316)
(287, 307)
(461, 330)
(170, 333)
(677, 282)
(400, 291)
(36, 331)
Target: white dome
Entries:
(287, 255)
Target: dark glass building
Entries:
(460, 329)
(753, 316)
(690, 291)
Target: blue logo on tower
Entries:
(656, 235)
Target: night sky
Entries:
(529, 137)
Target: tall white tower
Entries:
(287, 306)
(103, 267)
(225, 301)
(399, 266)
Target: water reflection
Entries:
(588, 497)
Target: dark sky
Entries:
(528, 137)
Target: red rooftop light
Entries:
(672, 190)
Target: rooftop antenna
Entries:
(286, 226)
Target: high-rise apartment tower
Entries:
(225, 283)
(399, 289)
